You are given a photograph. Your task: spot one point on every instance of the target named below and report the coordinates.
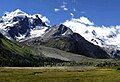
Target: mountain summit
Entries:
(18, 25)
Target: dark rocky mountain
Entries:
(56, 31)
(77, 44)
(61, 37)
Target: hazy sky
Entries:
(101, 12)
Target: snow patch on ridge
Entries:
(38, 32)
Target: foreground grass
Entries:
(62, 74)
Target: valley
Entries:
(33, 51)
(60, 41)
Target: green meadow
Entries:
(59, 74)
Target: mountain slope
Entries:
(62, 55)
(79, 46)
(61, 37)
(14, 54)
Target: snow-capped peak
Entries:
(102, 36)
(8, 16)
(20, 25)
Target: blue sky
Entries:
(101, 12)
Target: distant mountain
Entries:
(18, 25)
(101, 36)
(105, 37)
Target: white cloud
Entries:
(72, 15)
(85, 20)
(65, 9)
(82, 12)
(62, 6)
(56, 9)
(74, 9)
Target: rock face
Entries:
(56, 31)
(21, 27)
(61, 37)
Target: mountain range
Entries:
(78, 38)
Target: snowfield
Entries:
(102, 36)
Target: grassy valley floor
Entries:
(59, 74)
